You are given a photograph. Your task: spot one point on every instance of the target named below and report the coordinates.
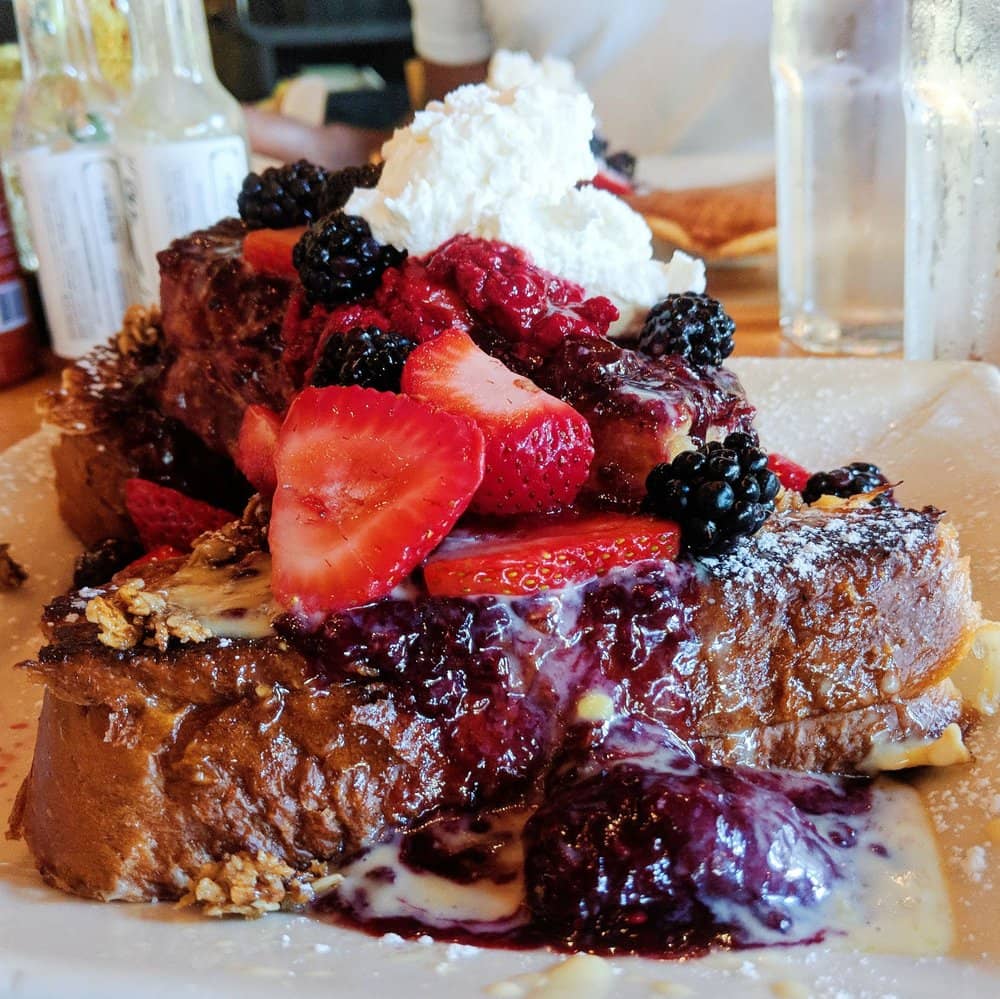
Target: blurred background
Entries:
(356, 49)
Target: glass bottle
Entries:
(61, 163)
(181, 138)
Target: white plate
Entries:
(936, 426)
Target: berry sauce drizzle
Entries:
(634, 848)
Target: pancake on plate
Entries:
(721, 223)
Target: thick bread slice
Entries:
(111, 429)
(828, 611)
(849, 740)
(222, 324)
(718, 222)
(829, 635)
(128, 804)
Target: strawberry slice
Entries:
(538, 448)
(255, 447)
(368, 483)
(790, 474)
(270, 250)
(613, 183)
(163, 516)
(158, 554)
(548, 556)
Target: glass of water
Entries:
(840, 173)
(951, 75)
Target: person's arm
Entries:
(333, 146)
(440, 79)
(337, 145)
(452, 31)
(453, 42)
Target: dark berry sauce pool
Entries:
(642, 852)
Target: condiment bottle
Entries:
(61, 162)
(18, 344)
(181, 138)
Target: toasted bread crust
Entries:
(112, 429)
(126, 804)
(841, 741)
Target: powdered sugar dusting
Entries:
(802, 547)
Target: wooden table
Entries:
(749, 294)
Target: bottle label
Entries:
(173, 188)
(77, 219)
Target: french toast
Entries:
(496, 560)
(310, 747)
(112, 428)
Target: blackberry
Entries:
(691, 326)
(857, 477)
(340, 186)
(282, 197)
(98, 564)
(339, 260)
(623, 163)
(717, 494)
(364, 356)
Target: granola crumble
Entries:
(133, 614)
(140, 328)
(250, 885)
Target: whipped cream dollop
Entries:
(501, 160)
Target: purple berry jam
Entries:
(641, 861)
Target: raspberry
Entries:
(419, 307)
(282, 197)
(695, 327)
(717, 494)
(339, 260)
(300, 332)
(522, 302)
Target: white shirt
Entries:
(683, 84)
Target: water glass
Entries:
(840, 173)
(951, 81)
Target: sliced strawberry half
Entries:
(163, 516)
(158, 554)
(368, 484)
(548, 556)
(270, 250)
(612, 182)
(255, 447)
(538, 448)
(790, 474)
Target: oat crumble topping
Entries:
(250, 885)
(133, 614)
(140, 328)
